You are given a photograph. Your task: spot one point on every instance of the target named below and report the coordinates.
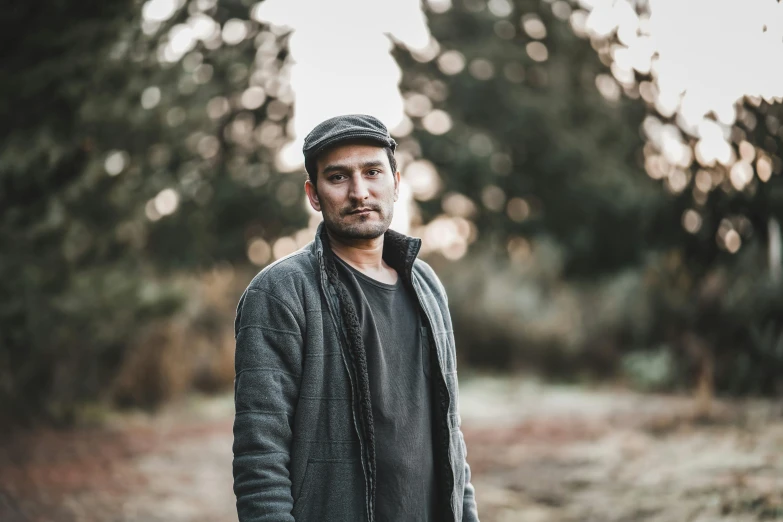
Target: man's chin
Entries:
(367, 231)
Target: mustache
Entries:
(351, 210)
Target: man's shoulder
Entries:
(283, 284)
(423, 269)
(292, 269)
(428, 278)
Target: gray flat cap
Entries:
(343, 128)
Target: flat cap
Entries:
(343, 128)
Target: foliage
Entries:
(721, 271)
(546, 143)
(140, 145)
(563, 158)
(120, 165)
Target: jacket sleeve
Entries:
(268, 368)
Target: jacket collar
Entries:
(399, 250)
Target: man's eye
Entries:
(337, 177)
(374, 172)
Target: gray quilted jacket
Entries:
(304, 446)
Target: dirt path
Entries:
(538, 453)
(566, 454)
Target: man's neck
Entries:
(365, 255)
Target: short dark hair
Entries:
(311, 164)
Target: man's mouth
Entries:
(362, 211)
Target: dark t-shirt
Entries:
(398, 367)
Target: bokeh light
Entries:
(115, 162)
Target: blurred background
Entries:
(596, 182)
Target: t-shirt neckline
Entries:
(364, 277)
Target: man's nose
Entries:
(359, 187)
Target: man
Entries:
(346, 387)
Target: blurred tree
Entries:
(534, 134)
(530, 141)
(527, 149)
(138, 141)
(718, 288)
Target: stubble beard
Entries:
(353, 227)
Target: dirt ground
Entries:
(539, 453)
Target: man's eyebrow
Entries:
(335, 168)
(341, 168)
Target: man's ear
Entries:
(396, 185)
(312, 195)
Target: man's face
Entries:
(356, 190)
